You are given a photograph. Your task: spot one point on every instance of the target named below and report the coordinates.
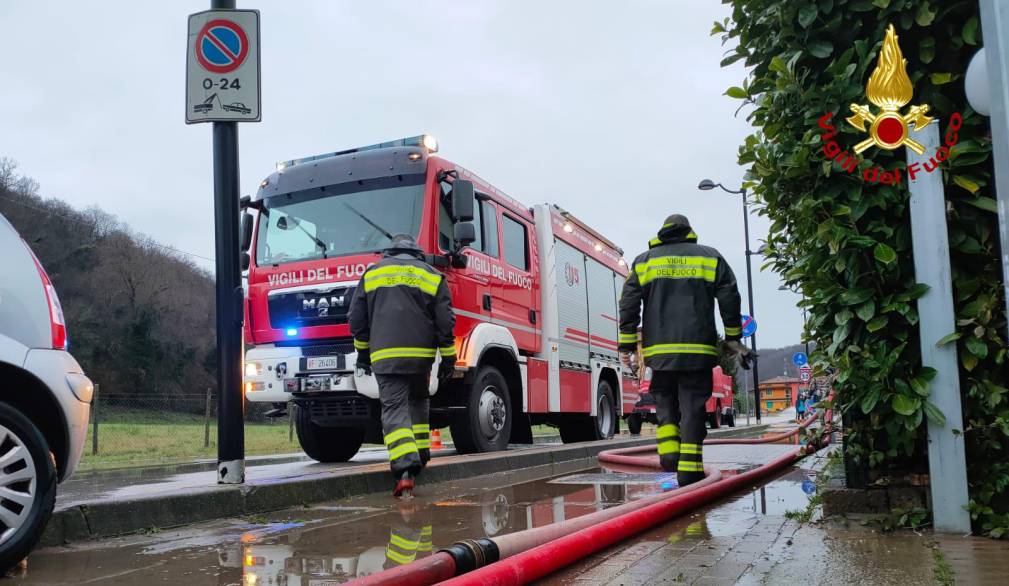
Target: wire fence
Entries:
(141, 430)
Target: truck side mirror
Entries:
(246, 260)
(464, 233)
(462, 201)
(246, 231)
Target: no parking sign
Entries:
(222, 67)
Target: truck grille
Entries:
(327, 349)
(320, 307)
(344, 408)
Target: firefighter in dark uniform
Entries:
(401, 317)
(678, 281)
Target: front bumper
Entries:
(72, 390)
(284, 370)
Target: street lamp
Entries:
(707, 185)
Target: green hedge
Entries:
(847, 244)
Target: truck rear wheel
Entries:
(326, 444)
(486, 423)
(601, 426)
(715, 419)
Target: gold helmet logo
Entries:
(890, 89)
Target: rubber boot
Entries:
(404, 486)
(425, 457)
(669, 462)
(686, 478)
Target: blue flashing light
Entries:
(291, 332)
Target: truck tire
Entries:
(591, 428)
(634, 423)
(486, 423)
(715, 419)
(326, 444)
(28, 479)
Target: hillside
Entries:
(140, 316)
(778, 361)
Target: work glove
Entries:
(630, 360)
(744, 354)
(446, 369)
(363, 362)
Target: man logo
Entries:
(322, 304)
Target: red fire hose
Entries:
(532, 554)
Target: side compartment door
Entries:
(602, 311)
(572, 307)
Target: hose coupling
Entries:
(470, 554)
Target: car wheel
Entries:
(326, 444)
(27, 486)
(486, 424)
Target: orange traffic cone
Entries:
(436, 439)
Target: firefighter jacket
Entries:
(402, 314)
(678, 281)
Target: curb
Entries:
(100, 519)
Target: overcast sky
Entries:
(612, 110)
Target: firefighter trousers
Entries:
(680, 397)
(405, 403)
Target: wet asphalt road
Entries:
(333, 542)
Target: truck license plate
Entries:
(325, 363)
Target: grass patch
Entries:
(942, 571)
(806, 514)
(138, 437)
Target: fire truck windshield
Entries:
(338, 220)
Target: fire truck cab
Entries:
(534, 291)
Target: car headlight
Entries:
(253, 369)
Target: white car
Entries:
(45, 399)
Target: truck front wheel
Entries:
(326, 444)
(486, 423)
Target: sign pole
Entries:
(946, 460)
(229, 297)
(995, 27)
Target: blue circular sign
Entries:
(799, 358)
(808, 486)
(749, 325)
(221, 46)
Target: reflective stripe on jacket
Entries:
(402, 314)
(678, 282)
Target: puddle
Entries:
(337, 541)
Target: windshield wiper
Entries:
(315, 239)
(384, 232)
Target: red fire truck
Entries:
(534, 290)
(720, 408)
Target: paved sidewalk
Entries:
(748, 539)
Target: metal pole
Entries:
(946, 460)
(230, 426)
(749, 292)
(995, 28)
(206, 419)
(94, 426)
(806, 341)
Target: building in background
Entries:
(779, 393)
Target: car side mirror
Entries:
(462, 201)
(464, 233)
(246, 231)
(246, 260)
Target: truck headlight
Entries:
(253, 369)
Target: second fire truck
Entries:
(535, 294)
